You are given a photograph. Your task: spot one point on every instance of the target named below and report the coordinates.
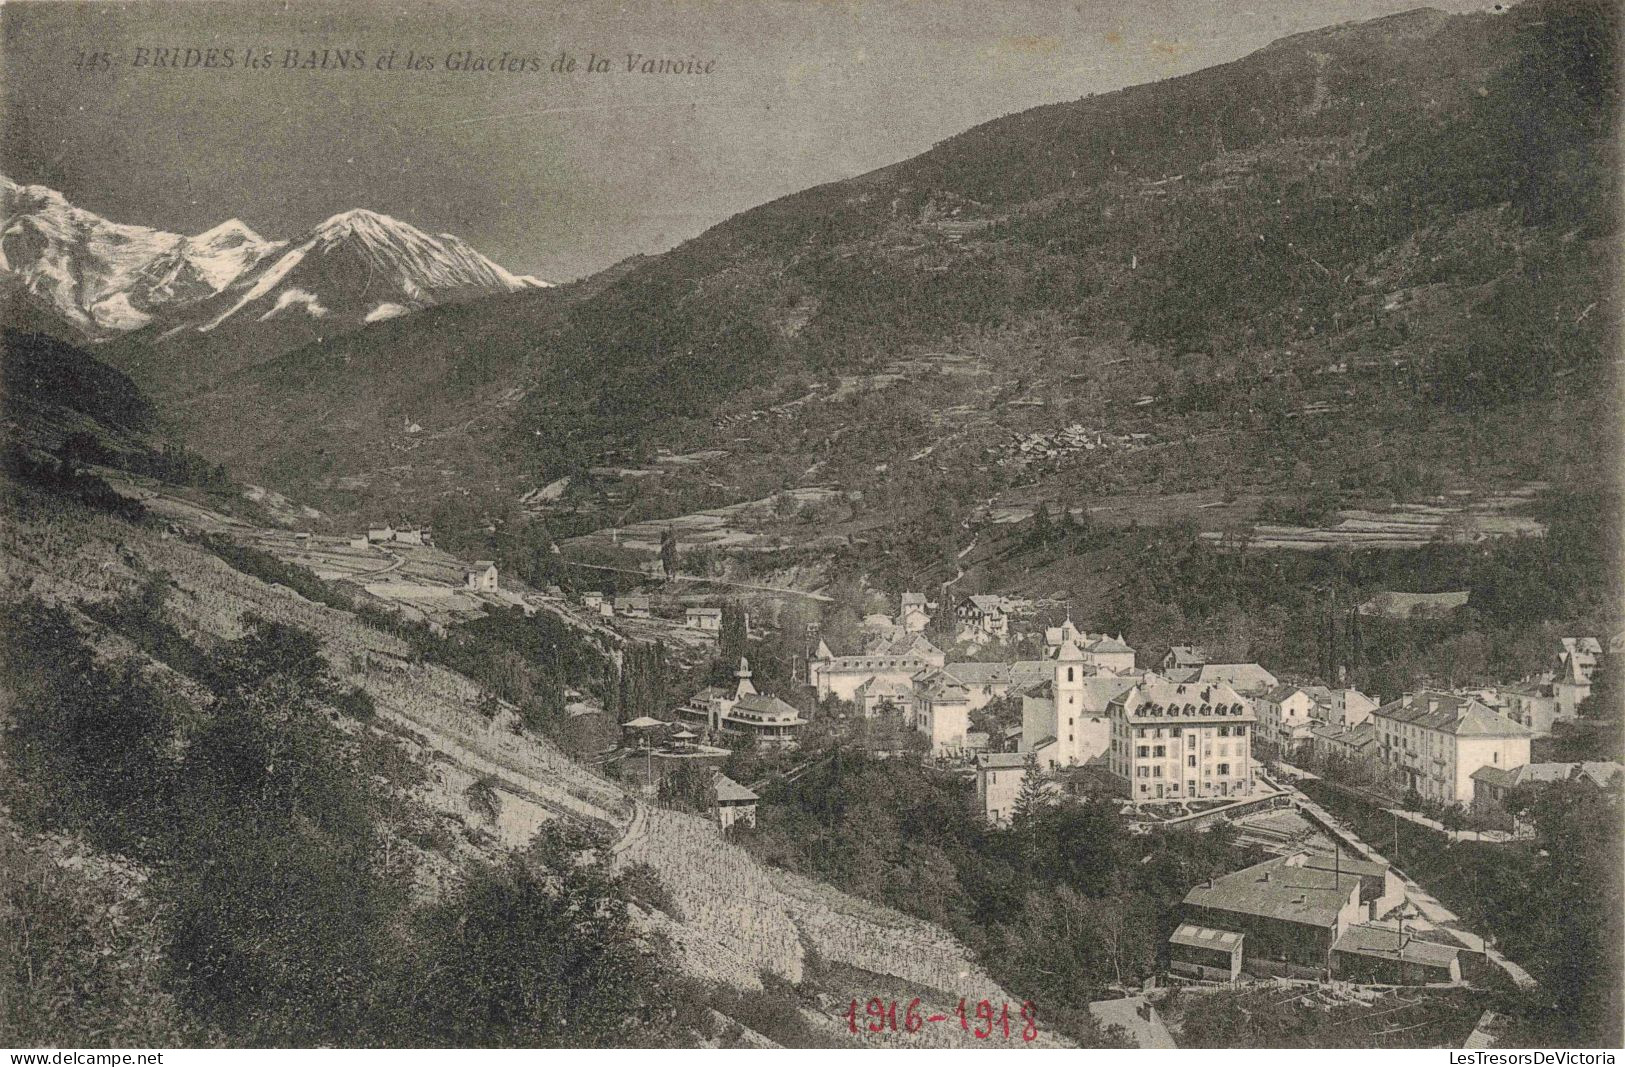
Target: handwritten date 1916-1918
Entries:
(982, 1020)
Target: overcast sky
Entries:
(559, 175)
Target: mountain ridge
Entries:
(108, 280)
(106, 277)
(1427, 192)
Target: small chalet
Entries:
(1183, 656)
(482, 576)
(735, 803)
(914, 614)
(708, 619)
(983, 617)
(632, 607)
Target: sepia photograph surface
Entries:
(783, 524)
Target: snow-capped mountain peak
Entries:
(232, 231)
(355, 267)
(360, 222)
(107, 277)
(359, 266)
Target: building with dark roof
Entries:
(1492, 785)
(1289, 914)
(633, 606)
(1306, 914)
(1170, 741)
(1203, 952)
(734, 803)
(766, 720)
(1393, 955)
(1432, 742)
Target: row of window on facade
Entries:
(1223, 770)
(1161, 751)
(1239, 788)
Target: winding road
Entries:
(706, 581)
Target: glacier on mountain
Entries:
(109, 278)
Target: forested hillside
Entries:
(1404, 224)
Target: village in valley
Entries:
(740, 700)
(1024, 709)
(1032, 715)
(1032, 537)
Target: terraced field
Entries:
(1460, 515)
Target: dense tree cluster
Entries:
(285, 919)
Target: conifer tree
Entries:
(731, 640)
(668, 552)
(1031, 799)
(1041, 530)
